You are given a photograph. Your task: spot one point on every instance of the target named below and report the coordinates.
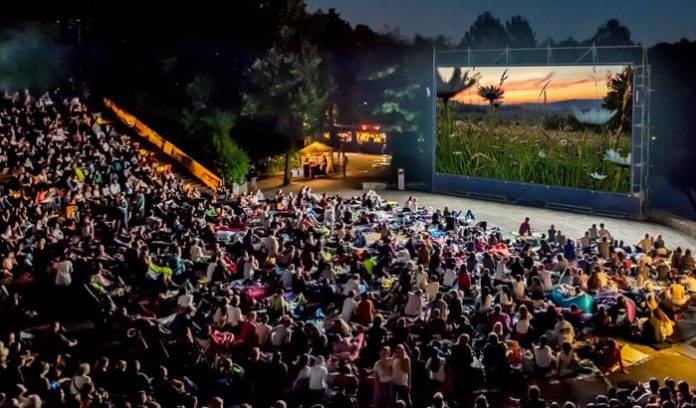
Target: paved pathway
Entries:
(507, 216)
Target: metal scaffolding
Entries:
(636, 56)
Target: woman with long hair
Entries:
(401, 375)
(383, 378)
(662, 326)
(523, 326)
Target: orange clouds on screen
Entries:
(524, 84)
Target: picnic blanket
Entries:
(256, 292)
(221, 341)
(155, 270)
(500, 249)
(608, 299)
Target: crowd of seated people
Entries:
(653, 394)
(121, 287)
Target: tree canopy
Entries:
(612, 33)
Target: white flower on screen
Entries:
(593, 116)
(598, 176)
(457, 153)
(453, 135)
(542, 155)
(613, 156)
(563, 142)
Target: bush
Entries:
(234, 162)
(273, 164)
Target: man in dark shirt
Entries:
(376, 335)
(495, 360)
(533, 399)
(347, 397)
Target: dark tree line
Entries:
(179, 68)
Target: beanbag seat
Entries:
(584, 301)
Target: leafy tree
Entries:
(487, 32)
(568, 42)
(401, 108)
(234, 162)
(292, 88)
(520, 33)
(612, 33)
(289, 83)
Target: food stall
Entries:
(316, 159)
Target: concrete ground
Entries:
(506, 216)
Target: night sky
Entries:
(650, 21)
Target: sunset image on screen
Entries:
(529, 84)
(559, 125)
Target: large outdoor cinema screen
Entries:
(566, 126)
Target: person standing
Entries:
(401, 375)
(253, 175)
(317, 380)
(525, 228)
(345, 164)
(383, 378)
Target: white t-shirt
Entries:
(78, 383)
(500, 271)
(351, 285)
(543, 356)
(317, 377)
(281, 335)
(421, 280)
(384, 374)
(64, 271)
(249, 270)
(348, 310)
(185, 300)
(414, 305)
(449, 278)
(234, 316)
(271, 245)
(196, 253)
(546, 280)
(399, 376)
(263, 333)
(522, 326)
(210, 271)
